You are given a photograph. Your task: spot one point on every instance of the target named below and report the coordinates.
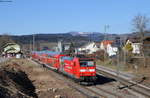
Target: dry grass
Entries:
(45, 81)
(110, 64)
(22, 62)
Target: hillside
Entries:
(70, 36)
(25, 39)
(50, 40)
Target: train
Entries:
(79, 68)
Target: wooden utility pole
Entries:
(118, 62)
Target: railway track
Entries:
(89, 91)
(93, 91)
(81, 89)
(126, 81)
(103, 92)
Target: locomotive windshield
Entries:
(86, 63)
(67, 58)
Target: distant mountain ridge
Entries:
(78, 37)
(66, 37)
(84, 33)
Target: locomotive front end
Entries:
(87, 69)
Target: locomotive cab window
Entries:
(66, 58)
(86, 63)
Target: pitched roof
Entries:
(134, 39)
(147, 35)
(106, 42)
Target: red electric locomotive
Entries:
(81, 69)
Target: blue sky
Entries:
(60, 16)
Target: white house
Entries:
(89, 48)
(135, 46)
(107, 45)
(104, 44)
(111, 50)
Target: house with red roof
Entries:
(105, 43)
(109, 46)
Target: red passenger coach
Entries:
(81, 69)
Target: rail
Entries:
(89, 91)
(126, 80)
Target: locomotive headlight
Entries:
(87, 70)
(82, 70)
(91, 70)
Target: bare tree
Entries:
(140, 25)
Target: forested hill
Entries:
(66, 37)
(25, 39)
